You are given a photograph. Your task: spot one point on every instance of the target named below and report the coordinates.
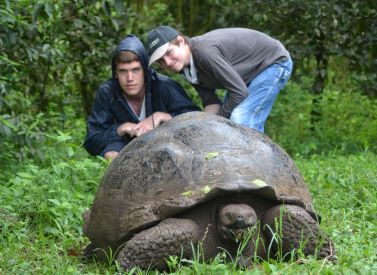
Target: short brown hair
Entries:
(125, 57)
(176, 42)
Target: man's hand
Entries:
(126, 129)
(160, 117)
(212, 109)
(150, 122)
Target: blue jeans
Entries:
(263, 90)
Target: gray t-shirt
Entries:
(229, 59)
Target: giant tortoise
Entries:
(201, 178)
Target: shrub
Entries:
(348, 122)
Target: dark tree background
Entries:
(55, 53)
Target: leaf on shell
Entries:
(187, 193)
(259, 183)
(211, 155)
(206, 189)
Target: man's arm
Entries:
(150, 122)
(211, 102)
(170, 99)
(126, 128)
(215, 63)
(101, 128)
(212, 108)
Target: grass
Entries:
(345, 193)
(41, 206)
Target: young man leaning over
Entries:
(135, 100)
(252, 67)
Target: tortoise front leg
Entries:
(294, 228)
(151, 247)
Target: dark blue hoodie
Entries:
(111, 109)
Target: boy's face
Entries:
(176, 57)
(131, 78)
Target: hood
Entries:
(132, 43)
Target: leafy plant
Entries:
(348, 122)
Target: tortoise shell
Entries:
(189, 160)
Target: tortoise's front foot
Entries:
(295, 229)
(150, 248)
(327, 251)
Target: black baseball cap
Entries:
(158, 42)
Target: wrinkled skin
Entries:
(235, 220)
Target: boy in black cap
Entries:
(252, 66)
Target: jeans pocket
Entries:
(278, 71)
(286, 74)
(286, 66)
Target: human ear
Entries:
(181, 41)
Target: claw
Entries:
(328, 252)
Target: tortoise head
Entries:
(235, 221)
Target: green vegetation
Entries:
(41, 207)
(55, 53)
(348, 123)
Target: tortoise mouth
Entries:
(239, 224)
(236, 232)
